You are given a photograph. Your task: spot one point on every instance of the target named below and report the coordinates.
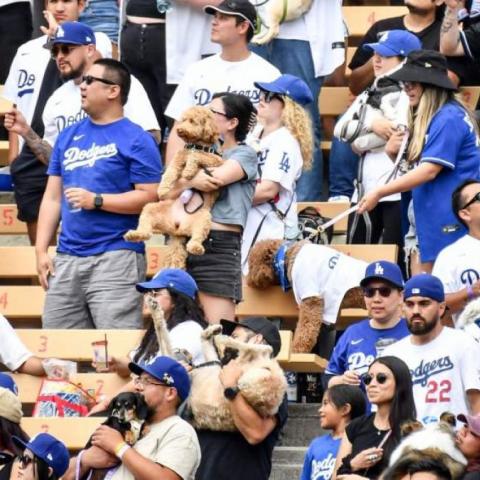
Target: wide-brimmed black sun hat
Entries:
(425, 66)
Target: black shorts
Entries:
(218, 271)
(28, 197)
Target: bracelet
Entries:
(120, 449)
(470, 293)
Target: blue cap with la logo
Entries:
(383, 270)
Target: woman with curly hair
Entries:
(285, 146)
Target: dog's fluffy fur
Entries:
(435, 440)
(169, 217)
(466, 321)
(262, 275)
(262, 382)
(275, 14)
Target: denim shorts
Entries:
(218, 271)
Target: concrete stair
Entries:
(301, 428)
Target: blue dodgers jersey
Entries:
(102, 159)
(450, 141)
(361, 344)
(320, 458)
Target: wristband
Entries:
(120, 449)
(470, 293)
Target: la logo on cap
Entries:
(384, 37)
(168, 379)
(378, 269)
(60, 32)
(415, 290)
(49, 456)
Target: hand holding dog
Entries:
(230, 374)
(107, 438)
(383, 128)
(95, 457)
(205, 183)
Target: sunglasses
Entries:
(89, 79)
(476, 198)
(267, 97)
(217, 112)
(380, 377)
(384, 292)
(65, 49)
(24, 460)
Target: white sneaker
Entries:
(339, 199)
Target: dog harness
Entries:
(201, 148)
(280, 266)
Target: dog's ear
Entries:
(260, 264)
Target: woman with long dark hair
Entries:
(369, 440)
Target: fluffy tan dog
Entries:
(172, 217)
(277, 12)
(336, 286)
(262, 382)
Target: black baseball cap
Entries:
(258, 325)
(239, 8)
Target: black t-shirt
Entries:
(143, 8)
(468, 72)
(362, 434)
(471, 42)
(6, 470)
(228, 456)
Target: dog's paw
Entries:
(162, 191)
(136, 236)
(195, 248)
(211, 331)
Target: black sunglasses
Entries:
(65, 49)
(25, 460)
(89, 79)
(381, 378)
(267, 97)
(217, 112)
(385, 292)
(476, 198)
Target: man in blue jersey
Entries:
(102, 171)
(364, 341)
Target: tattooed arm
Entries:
(15, 123)
(450, 33)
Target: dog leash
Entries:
(322, 228)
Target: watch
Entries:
(231, 392)
(98, 201)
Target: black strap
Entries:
(208, 364)
(199, 207)
(201, 148)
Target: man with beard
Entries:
(168, 448)
(444, 362)
(73, 49)
(424, 19)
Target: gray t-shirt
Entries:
(235, 200)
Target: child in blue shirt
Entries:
(340, 404)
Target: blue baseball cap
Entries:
(74, 33)
(395, 43)
(173, 278)
(6, 381)
(383, 270)
(52, 451)
(425, 285)
(167, 371)
(288, 85)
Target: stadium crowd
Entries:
(96, 115)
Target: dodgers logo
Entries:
(25, 82)
(64, 121)
(75, 157)
(425, 370)
(332, 262)
(359, 362)
(378, 269)
(323, 468)
(202, 96)
(469, 276)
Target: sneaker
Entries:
(339, 199)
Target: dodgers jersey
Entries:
(451, 142)
(442, 372)
(320, 458)
(103, 159)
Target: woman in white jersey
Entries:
(285, 145)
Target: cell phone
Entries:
(384, 439)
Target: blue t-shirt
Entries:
(320, 458)
(361, 344)
(452, 143)
(102, 159)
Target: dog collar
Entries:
(280, 266)
(202, 148)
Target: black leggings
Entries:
(386, 226)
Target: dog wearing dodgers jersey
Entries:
(263, 274)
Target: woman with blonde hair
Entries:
(284, 138)
(443, 151)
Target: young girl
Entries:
(285, 144)
(340, 404)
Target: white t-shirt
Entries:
(212, 75)
(13, 353)
(458, 265)
(4, 3)
(323, 27)
(442, 371)
(28, 67)
(171, 443)
(279, 160)
(64, 108)
(322, 271)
